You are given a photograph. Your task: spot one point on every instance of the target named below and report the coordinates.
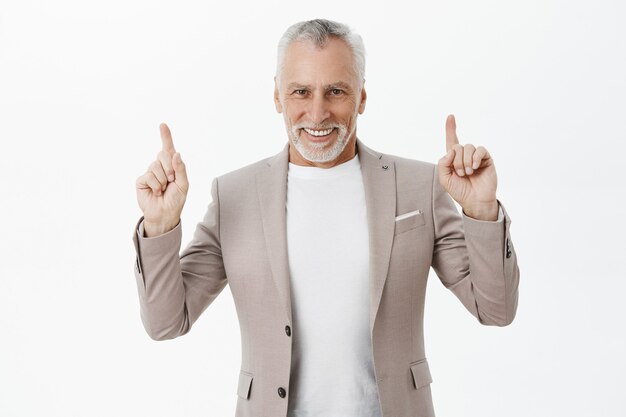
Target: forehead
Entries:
(306, 63)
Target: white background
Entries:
(84, 85)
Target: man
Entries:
(327, 247)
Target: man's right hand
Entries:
(162, 190)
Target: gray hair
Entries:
(319, 31)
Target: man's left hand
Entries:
(468, 174)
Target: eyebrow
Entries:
(338, 84)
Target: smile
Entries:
(318, 133)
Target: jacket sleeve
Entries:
(174, 289)
(475, 259)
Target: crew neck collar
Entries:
(350, 166)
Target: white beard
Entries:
(315, 152)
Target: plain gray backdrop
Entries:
(84, 86)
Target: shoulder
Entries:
(245, 176)
(404, 163)
(405, 166)
(413, 174)
(244, 173)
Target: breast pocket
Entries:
(420, 373)
(409, 221)
(244, 384)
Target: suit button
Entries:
(282, 392)
(288, 330)
(508, 253)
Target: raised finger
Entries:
(166, 139)
(166, 161)
(451, 138)
(468, 154)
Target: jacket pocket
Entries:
(245, 382)
(421, 373)
(410, 221)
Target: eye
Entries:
(300, 92)
(336, 91)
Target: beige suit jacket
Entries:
(241, 241)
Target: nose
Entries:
(319, 109)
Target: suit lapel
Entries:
(379, 181)
(272, 190)
(380, 197)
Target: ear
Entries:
(363, 99)
(279, 106)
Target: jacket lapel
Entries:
(379, 181)
(380, 196)
(272, 190)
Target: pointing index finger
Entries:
(451, 138)
(166, 139)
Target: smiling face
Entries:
(320, 97)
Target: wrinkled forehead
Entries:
(308, 64)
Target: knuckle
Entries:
(157, 171)
(155, 166)
(154, 180)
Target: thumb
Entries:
(180, 172)
(444, 166)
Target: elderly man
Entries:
(327, 247)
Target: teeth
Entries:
(318, 132)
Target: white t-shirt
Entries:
(332, 371)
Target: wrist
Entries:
(483, 211)
(152, 229)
